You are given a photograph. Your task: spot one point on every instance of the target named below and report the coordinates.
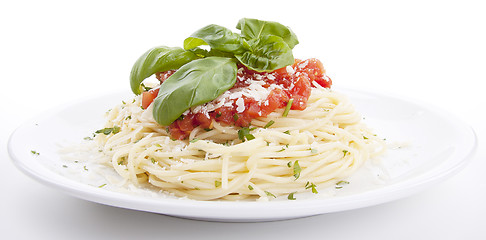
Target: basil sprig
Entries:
(203, 75)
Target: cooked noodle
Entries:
(318, 146)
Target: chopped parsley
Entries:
(107, 131)
(345, 152)
(312, 186)
(217, 183)
(244, 134)
(34, 152)
(297, 169)
(283, 148)
(291, 196)
(269, 124)
(287, 108)
(88, 138)
(269, 194)
(250, 187)
(340, 184)
(86, 169)
(287, 132)
(102, 185)
(145, 87)
(194, 140)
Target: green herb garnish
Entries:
(217, 183)
(291, 196)
(341, 183)
(244, 134)
(269, 194)
(312, 186)
(297, 169)
(287, 108)
(107, 131)
(345, 152)
(34, 152)
(270, 123)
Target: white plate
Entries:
(440, 145)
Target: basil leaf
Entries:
(195, 83)
(158, 59)
(211, 53)
(217, 37)
(267, 53)
(254, 28)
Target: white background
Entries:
(57, 51)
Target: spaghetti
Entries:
(308, 149)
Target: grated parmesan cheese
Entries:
(290, 70)
(240, 103)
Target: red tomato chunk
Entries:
(291, 82)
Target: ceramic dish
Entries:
(437, 146)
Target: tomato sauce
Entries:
(291, 82)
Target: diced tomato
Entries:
(324, 81)
(176, 133)
(186, 124)
(225, 114)
(252, 108)
(148, 97)
(310, 67)
(300, 92)
(203, 120)
(276, 99)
